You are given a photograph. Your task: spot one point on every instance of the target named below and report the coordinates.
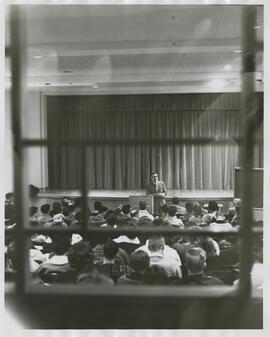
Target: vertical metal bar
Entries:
(17, 34)
(84, 187)
(248, 113)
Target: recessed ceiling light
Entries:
(37, 57)
(257, 27)
(238, 51)
(95, 85)
(47, 83)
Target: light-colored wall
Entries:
(32, 127)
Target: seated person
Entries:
(110, 266)
(10, 212)
(212, 213)
(196, 263)
(188, 213)
(220, 224)
(97, 218)
(143, 211)
(232, 211)
(179, 209)
(155, 275)
(163, 255)
(196, 214)
(58, 220)
(80, 257)
(98, 251)
(139, 261)
(172, 219)
(124, 217)
(66, 202)
(50, 271)
(188, 241)
(45, 215)
(33, 214)
(111, 220)
(56, 208)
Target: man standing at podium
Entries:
(158, 190)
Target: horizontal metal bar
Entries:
(114, 141)
(138, 231)
(174, 292)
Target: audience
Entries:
(131, 258)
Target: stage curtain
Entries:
(192, 166)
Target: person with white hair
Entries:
(163, 255)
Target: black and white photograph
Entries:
(134, 187)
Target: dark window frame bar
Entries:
(247, 143)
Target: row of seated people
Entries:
(220, 256)
(70, 213)
(191, 259)
(175, 215)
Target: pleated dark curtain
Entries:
(192, 166)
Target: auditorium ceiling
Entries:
(135, 49)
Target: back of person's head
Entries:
(175, 201)
(60, 242)
(206, 220)
(164, 210)
(78, 202)
(196, 260)
(126, 209)
(45, 208)
(196, 209)
(156, 243)
(212, 206)
(139, 261)
(9, 195)
(80, 255)
(97, 205)
(189, 206)
(144, 221)
(172, 210)
(33, 210)
(207, 244)
(236, 202)
(111, 219)
(155, 275)
(195, 239)
(65, 200)
(158, 222)
(110, 249)
(142, 205)
(56, 206)
(79, 216)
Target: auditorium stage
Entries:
(111, 198)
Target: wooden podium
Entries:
(134, 201)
